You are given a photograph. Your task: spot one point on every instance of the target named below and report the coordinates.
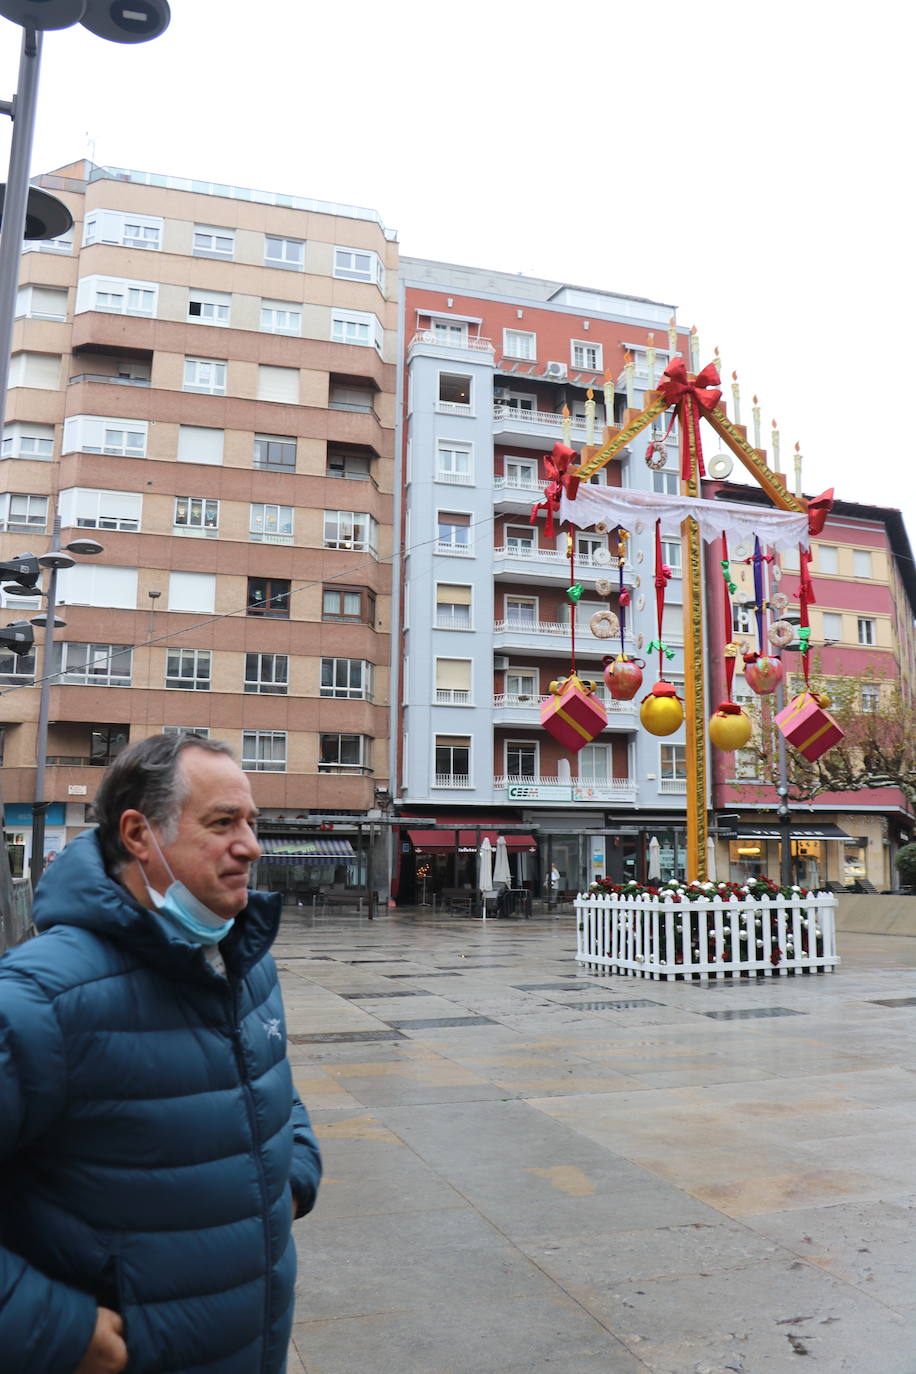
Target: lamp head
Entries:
(42, 622)
(56, 559)
(126, 21)
(43, 14)
(46, 217)
(85, 547)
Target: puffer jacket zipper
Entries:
(245, 1081)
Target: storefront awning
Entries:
(304, 849)
(446, 841)
(748, 831)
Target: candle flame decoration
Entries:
(590, 394)
(735, 378)
(756, 402)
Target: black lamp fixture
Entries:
(120, 21)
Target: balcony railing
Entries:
(453, 696)
(557, 789)
(455, 479)
(107, 378)
(556, 558)
(446, 546)
(543, 629)
(452, 780)
(534, 485)
(534, 703)
(470, 342)
(444, 621)
(672, 785)
(453, 408)
(543, 419)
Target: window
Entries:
(522, 759)
(208, 307)
(23, 514)
(23, 440)
(673, 762)
(196, 513)
(38, 371)
(452, 333)
(94, 665)
(743, 622)
(453, 682)
(264, 751)
(352, 530)
(62, 244)
(206, 375)
(671, 555)
(278, 384)
(348, 604)
(519, 343)
(350, 397)
(356, 327)
(288, 253)
(267, 674)
(117, 296)
(125, 443)
(281, 317)
(453, 761)
(213, 243)
(274, 453)
(197, 444)
(346, 677)
(343, 753)
(268, 596)
(520, 472)
(141, 234)
(586, 355)
(192, 592)
(188, 669)
(454, 393)
(861, 563)
(355, 264)
(521, 611)
(347, 463)
(587, 545)
(867, 632)
(453, 606)
(522, 683)
(271, 524)
(833, 627)
(521, 540)
(747, 764)
(194, 731)
(870, 696)
(88, 584)
(127, 230)
(41, 302)
(595, 762)
(789, 560)
(666, 482)
(453, 463)
(106, 743)
(454, 533)
(17, 670)
(827, 558)
(87, 508)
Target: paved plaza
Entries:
(530, 1167)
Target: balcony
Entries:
(673, 786)
(427, 338)
(453, 408)
(537, 428)
(108, 380)
(529, 563)
(451, 549)
(453, 696)
(549, 638)
(510, 709)
(452, 780)
(554, 789)
(516, 495)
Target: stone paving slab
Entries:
(555, 1184)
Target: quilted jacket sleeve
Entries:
(45, 1326)
(306, 1167)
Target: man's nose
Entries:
(247, 843)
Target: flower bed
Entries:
(706, 930)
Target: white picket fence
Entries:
(651, 937)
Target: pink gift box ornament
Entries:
(572, 715)
(808, 727)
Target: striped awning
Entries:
(304, 849)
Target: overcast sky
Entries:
(752, 165)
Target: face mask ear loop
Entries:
(158, 851)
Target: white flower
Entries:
(760, 944)
(795, 888)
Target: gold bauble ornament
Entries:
(730, 727)
(661, 711)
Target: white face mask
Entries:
(188, 913)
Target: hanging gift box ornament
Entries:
(623, 676)
(762, 673)
(730, 727)
(662, 711)
(808, 727)
(572, 715)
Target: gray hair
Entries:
(146, 777)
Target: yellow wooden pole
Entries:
(694, 678)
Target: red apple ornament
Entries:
(623, 676)
(762, 673)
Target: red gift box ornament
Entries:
(808, 727)
(572, 715)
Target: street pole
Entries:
(39, 804)
(782, 792)
(16, 199)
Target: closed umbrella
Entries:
(711, 859)
(501, 871)
(655, 860)
(485, 873)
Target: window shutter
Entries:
(278, 384)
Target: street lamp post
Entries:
(56, 559)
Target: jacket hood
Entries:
(77, 891)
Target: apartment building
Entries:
(203, 378)
(497, 368)
(861, 628)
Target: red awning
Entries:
(443, 841)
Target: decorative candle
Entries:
(590, 409)
(775, 448)
(736, 397)
(672, 338)
(650, 360)
(629, 369)
(798, 469)
(566, 426)
(755, 415)
(717, 361)
(694, 348)
(608, 398)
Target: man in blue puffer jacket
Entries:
(153, 1153)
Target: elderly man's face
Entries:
(215, 844)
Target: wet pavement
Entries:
(528, 1166)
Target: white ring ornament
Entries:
(721, 466)
(602, 557)
(781, 633)
(604, 624)
(604, 586)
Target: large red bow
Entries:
(561, 479)
(692, 399)
(818, 510)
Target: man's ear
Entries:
(134, 832)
